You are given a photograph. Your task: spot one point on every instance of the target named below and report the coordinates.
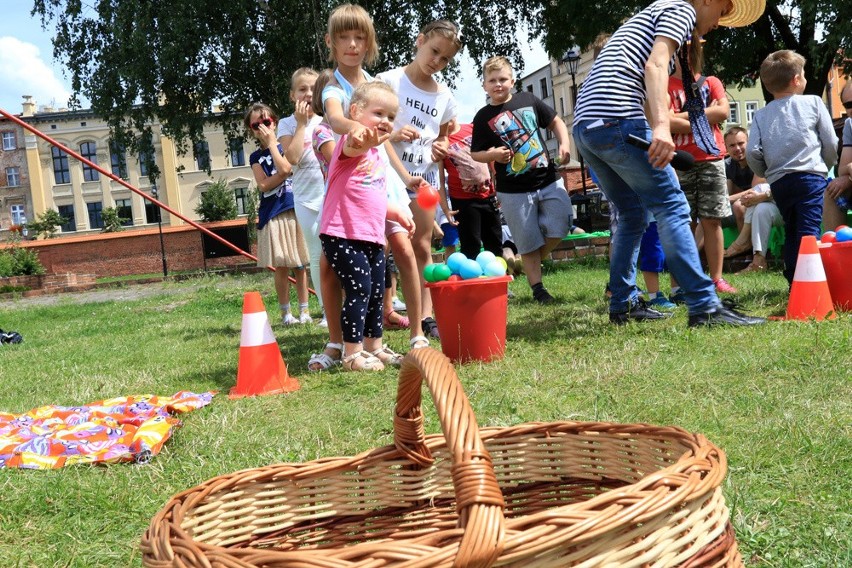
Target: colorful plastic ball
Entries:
(828, 237)
(838, 227)
(454, 261)
(454, 278)
(494, 268)
(484, 258)
(427, 196)
(429, 272)
(470, 269)
(441, 272)
(843, 235)
(502, 262)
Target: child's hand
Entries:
(395, 213)
(302, 112)
(501, 154)
(413, 183)
(405, 134)
(355, 137)
(266, 135)
(564, 154)
(374, 137)
(440, 147)
(451, 218)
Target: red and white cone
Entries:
(261, 369)
(809, 294)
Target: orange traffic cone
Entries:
(261, 368)
(809, 295)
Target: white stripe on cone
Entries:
(256, 330)
(809, 269)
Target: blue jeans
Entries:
(799, 199)
(630, 182)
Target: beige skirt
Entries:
(281, 243)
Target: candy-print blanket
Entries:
(132, 428)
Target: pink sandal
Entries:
(402, 322)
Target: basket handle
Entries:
(479, 501)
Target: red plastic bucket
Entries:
(471, 317)
(837, 261)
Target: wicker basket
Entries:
(540, 494)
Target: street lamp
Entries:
(571, 60)
(160, 227)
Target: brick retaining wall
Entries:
(132, 252)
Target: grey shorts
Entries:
(538, 215)
(706, 190)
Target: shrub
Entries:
(17, 261)
(47, 224)
(112, 221)
(218, 203)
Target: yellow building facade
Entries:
(80, 193)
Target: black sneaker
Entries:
(639, 311)
(430, 327)
(542, 296)
(723, 316)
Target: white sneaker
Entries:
(323, 322)
(398, 305)
(288, 319)
(305, 317)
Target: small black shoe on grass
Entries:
(639, 311)
(542, 296)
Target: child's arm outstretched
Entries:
(371, 139)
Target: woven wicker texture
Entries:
(533, 495)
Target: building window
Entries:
(751, 108)
(89, 150)
(530, 89)
(543, 84)
(118, 160)
(144, 159)
(18, 217)
(9, 142)
(13, 177)
(238, 156)
(241, 195)
(152, 212)
(96, 220)
(734, 115)
(67, 213)
(562, 106)
(61, 174)
(201, 152)
(124, 210)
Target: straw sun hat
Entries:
(745, 12)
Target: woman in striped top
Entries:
(629, 77)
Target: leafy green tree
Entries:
(113, 223)
(138, 62)
(47, 224)
(218, 203)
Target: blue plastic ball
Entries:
(470, 269)
(455, 261)
(484, 258)
(494, 268)
(843, 235)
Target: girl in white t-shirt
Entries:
(420, 133)
(295, 134)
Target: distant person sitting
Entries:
(838, 194)
(739, 176)
(792, 144)
(760, 216)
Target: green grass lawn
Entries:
(776, 398)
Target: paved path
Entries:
(118, 293)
